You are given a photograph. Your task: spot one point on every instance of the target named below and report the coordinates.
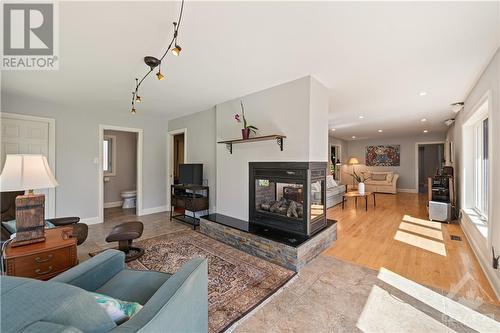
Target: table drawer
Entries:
(42, 265)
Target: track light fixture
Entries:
(159, 75)
(176, 50)
(153, 62)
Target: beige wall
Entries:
(126, 166)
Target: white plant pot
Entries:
(361, 188)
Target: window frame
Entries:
(481, 168)
(111, 155)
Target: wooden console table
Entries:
(194, 198)
(43, 260)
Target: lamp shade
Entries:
(353, 161)
(26, 172)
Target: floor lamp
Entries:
(353, 161)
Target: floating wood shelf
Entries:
(277, 137)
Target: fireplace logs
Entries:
(283, 206)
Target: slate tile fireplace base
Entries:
(286, 255)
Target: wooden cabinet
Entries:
(193, 198)
(43, 260)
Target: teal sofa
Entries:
(172, 303)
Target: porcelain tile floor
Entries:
(330, 295)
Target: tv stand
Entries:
(194, 198)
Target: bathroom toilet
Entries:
(129, 198)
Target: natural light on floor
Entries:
(445, 305)
(421, 242)
(425, 223)
(416, 229)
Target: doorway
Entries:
(429, 163)
(177, 155)
(120, 172)
(22, 134)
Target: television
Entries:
(191, 174)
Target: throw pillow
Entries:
(11, 226)
(390, 176)
(379, 176)
(330, 182)
(119, 311)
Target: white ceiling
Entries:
(374, 57)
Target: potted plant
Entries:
(245, 131)
(361, 181)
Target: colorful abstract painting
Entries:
(383, 155)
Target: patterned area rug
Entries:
(237, 282)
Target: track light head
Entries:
(160, 76)
(176, 50)
(138, 98)
(133, 110)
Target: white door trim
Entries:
(52, 151)
(100, 174)
(170, 157)
(416, 157)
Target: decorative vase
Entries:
(245, 133)
(361, 188)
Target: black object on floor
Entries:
(124, 234)
(456, 238)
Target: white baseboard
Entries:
(113, 204)
(91, 220)
(482, 256)
(407, 190)
(153, 210)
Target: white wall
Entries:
(284, 109)
(201, 145)
(407, 168)
(488, 82)
(125, 167)
(77, 149)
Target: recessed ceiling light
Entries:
(354, 137)
(333, 129)
(426, 131)
(361, 117)
(380, 131)
(423, 120)
(423, 93)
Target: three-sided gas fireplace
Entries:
(288, 196)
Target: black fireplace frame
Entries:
(304, 173)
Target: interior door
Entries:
(21, 136)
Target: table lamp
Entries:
(27, 173)
(353, 161)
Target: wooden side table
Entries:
(43, 260)
(356, 195)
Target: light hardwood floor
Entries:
(396, 235)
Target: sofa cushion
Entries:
(335, 190)
(30, 301)
(147, 283)
(379, 176)
(330, 182)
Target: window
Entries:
(481, 167)
(109, 155)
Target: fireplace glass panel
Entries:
(317, 199)
(280, 198)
